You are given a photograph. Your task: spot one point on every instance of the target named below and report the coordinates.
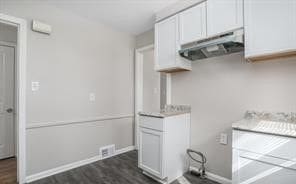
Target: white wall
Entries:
(79, 57)
(151, 83)
(144, 39)
(174, 8)
(8, 33)
(221, 89)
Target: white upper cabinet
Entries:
(167, 46)
(224, 16)
(270, 28)
(193, 24)
(204, 20)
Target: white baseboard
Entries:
(155, 178)
(214, 177)
(73, 165)
(124, 150)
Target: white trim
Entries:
(8, 44)
(124, 150)
(73, 165)
(218, 178)
(155, 178)
(145, 48)
(214, 177)
(34, 125)
(169, 89)
(21, 63)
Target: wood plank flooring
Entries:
(121, 169)
(8, 171)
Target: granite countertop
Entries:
(169, 110)
(283, 124)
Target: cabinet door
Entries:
(151, 152)
(193, 24)
(166, 43)
(224, 16)
(270, 27)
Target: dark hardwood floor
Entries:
(121, 169)
(8, 171)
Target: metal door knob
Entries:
(10, 110)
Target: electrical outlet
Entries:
(35, 86)
(92, 97)
(223, 138)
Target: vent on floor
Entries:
(107, 151)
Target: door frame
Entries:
(139, 87)
(20, 91)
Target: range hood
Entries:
(220, 45)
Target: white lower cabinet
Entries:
(151, 146)
(162, 146)
(263, 159)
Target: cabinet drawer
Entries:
(265, 144)
(258, 169)
(152, 123)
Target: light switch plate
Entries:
(35, 86)
(92, 97)
(223, 139)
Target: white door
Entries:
(151, 152)
(224, 16)
(193, 24)
(7, 128)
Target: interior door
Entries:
(7, 127)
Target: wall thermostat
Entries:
(41, 27)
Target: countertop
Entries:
(283, 124)
(169, 110)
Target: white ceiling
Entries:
(131, 16)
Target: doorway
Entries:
(151, 83)
(8, 146)
(151, 87)
(13, 107)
